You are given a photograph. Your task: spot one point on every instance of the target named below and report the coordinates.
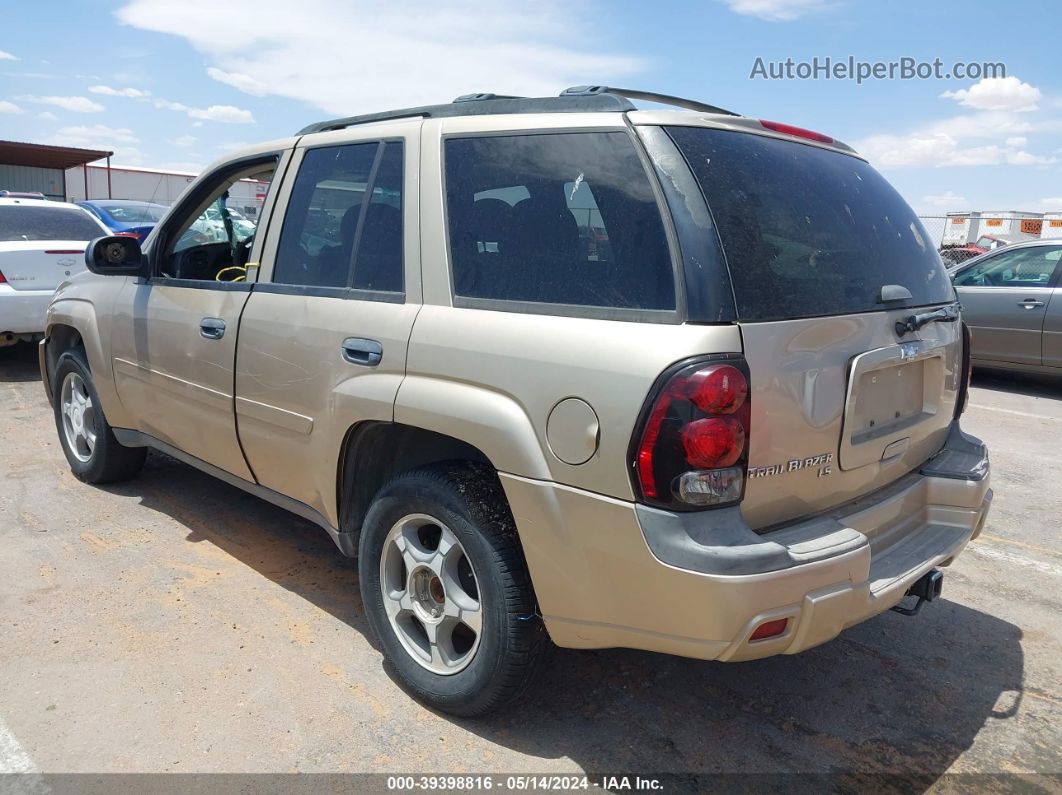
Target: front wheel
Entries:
(94, 454)
(446, 589)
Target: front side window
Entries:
(215, 243)
(1025, 267)
(343, 226)
(557, 218)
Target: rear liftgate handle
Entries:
(356, 350)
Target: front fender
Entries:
(81, 315)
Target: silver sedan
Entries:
(1011, 303)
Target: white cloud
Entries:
(926, 148)
(777, 10)
(244, 83)
(985, 138)
(944, 201)
(1051, 203)
(75, 104)
(47, 115)
(222, 113)
(134, 93)
(997, 93)
(9, 107)
(184, 141)
(6, 56)
(99, 136)
(406, 52)
(93, 135)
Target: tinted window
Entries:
(326, 220)
(557, 218)
(24, 222)
(1023, 267)
(807, 231)
(317, 239)
(378, 261)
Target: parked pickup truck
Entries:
(555, 370)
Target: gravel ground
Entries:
(175, 624)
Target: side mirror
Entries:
(115, 256)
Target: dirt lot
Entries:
(173, 623)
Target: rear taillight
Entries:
(691, 448)
(799, 132)
(967, 370)
(3, 279)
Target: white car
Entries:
(42, 243)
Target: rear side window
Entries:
(1023, 267)
(807, 231)
(565, 218)
(378, 261)
(343, 225)
(22, 222)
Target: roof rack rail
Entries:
(577, 99)
(486, 104)
(647, 96)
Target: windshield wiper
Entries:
(946, 314)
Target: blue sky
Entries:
(176, 83)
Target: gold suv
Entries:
(555, 370)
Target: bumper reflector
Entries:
(769, 629)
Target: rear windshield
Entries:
(21, 222)
(807, 231)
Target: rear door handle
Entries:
(213, 328)
(362, 351)
(1030, 303)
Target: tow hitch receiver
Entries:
(927, 589)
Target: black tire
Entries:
(468, 499)
(108, 460)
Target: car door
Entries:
(174, 334)
(323, 337)
(1004, 298)
(1052, 344)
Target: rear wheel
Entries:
(94, 454)
(446, 589)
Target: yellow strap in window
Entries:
(241, 269)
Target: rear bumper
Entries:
(608, 573)
(23, 311)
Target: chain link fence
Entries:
(959, 236)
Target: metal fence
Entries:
(966, 229)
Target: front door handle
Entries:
(212, 328)
(1030, 303)
(362, 351)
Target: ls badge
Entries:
(824, 463)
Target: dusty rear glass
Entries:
(807, 231)
(19, 222)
